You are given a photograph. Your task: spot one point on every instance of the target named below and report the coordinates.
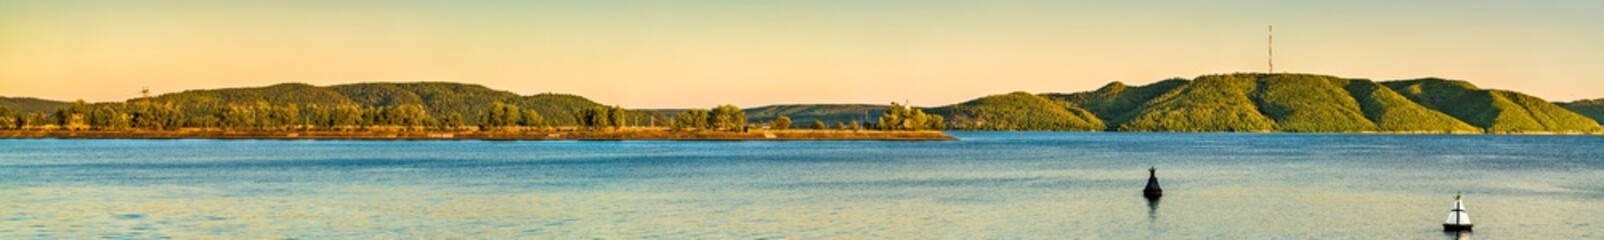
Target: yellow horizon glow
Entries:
(682, 55)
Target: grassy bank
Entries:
(625, 134)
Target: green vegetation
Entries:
(603, 118)
(727, 118)
(1395, 113)
(1116, 103)
(694, 119)
(27, 105)
(1310, 103)
(1212, 103)
(721, 118)
(783, 123)
(441, 99)
(1493, 110)
(1252, 102)
(8, 119)
(803, 113)
(1019, 111)
(1593, 108)
(899, 117)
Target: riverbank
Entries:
(626, 134)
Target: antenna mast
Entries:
(1272, 48)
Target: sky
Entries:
(682, 54)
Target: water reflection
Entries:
(1457, 235)
(1152, 207)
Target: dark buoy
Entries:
(1152, 189)
(1458, 219)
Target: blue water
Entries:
(986, 185)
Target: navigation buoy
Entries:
(1152, 189)
(1458, 219)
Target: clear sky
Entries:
(661, 54)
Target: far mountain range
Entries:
(1239, 102)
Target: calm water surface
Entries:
(987, 185)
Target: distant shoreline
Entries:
(533, 135)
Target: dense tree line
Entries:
(503, 116)
(899, 117)
(613, 117)
(721, 118)
(146, 115)
(781, 123)
(1019, 111)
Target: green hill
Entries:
(1251, 102)
(1593, 108)
(1493, 110)
(1310, 103)
(1116, 103)
(440, 99)
(1304, 103)
(1211, 103)
(30, 105)
(1395, 113)
(1019, 111)
(807, 113)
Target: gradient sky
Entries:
(663, 54)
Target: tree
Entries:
(596, 118)
(782, 123)
(35, 120)
(936, 122)
(108, 118)
(693, 119)
(818, 125)
(73, 117)
(502, 115)
(409, 116)
(288, 116)
(203, 122)
(727, 117)
(615, 117)
(8, 120)
(156, 116)
(236, 117)
(530, 119)
(854, 125)
(453, 122)
(345, 116)
(899, 117)
(840, 126)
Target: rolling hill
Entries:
(439, 98)
(1395, 113)
(1493, 110)
(1211, 103)
(1592, 108)
(31, 105)
(1019, 111)
(1243, 102)
(1116, 102)
(807, 113)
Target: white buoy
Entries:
(1458, 219)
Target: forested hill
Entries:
(440, 99)
(30, 105)
(1318, 103)
(806, 113)
(1250, 102)
(1242, 102)
(1593, 108)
